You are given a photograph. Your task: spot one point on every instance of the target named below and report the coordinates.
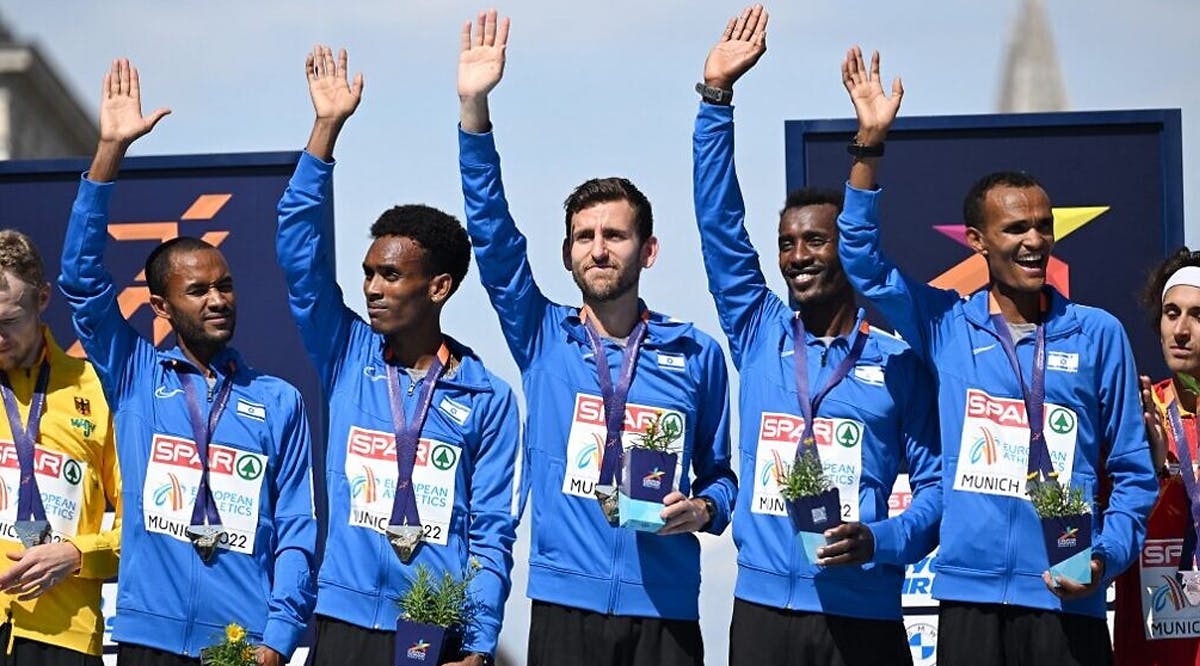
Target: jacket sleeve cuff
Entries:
(312, 173)
(282, 636)
(477, 149)
(888, 542)
(97, 560)
(93, 195)
(861, 205)
(713, 117)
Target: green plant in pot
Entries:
(434, 613)
(648, 473)
(813, 503)
(1066, 516)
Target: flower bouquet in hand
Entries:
(648, 474)
(434, 613)
(813, 503)
(233, 650)
(1066, 518)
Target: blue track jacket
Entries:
(991, 543)
(577, 559)
(259, 470)
(887, 397)
(468, 451)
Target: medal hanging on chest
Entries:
(31, 525)
(404, 530)
(1183, 449)
(205, 531)
(615, 398)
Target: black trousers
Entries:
(34, 653)
(129, 654)
(764, 635)
(994, 635)
(343, 644)
(560, 635)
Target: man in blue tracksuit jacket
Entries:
(786, 606)
(999, 604)
(170, 602)
(469, 439)
(602, 595)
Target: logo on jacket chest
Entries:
(589, 431)
(60, 482)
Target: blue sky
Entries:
(591, 89)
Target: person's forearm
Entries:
(473, 114)
(107, 161)
(324, 136)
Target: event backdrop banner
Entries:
(228, 200)
(1115, 180)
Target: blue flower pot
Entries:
(425, 644)
(1068, 542)
(646, 478)
(811, 516)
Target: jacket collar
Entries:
(661, 330)
(227, 362)
(470, 375)
(1060, 314)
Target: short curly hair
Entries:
(973, 202)
(447, 246)
(1152, 291)
(813, 196)
(19, 256)
(603, 190)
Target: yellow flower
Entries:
(248, 655)
(234, 632)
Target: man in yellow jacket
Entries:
(58, 466)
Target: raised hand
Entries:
(741, 45)
(121, 120)
(876, 111)
(334, 97)
(481, 58)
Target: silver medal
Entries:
(607, 496)
(204, 539)
(33, 532)
(404, 540)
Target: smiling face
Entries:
(808, 254)
(399, 290)
(1179, 329)
(1016, 236)
(198, 299)
(21, 305)
(603, 251)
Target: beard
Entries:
(193, 333)
(603, 290)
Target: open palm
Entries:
(875, 110)
(481, 60)
(121, 119)
(333, 95)
(742, 44)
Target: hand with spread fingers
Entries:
(334, 97)
(40, 568)
(121, 119)
(849, 543)
(1156, 431)
(875, 110)
(741, 45)
(480, 68)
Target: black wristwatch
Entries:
(860, 151)
(714, 95)
(712, 511)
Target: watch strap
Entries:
(714, 95)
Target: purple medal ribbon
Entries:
(29, 502)
(1184, 452)
(1040, 467)
(615, 397)
(204, 511)
(408, 434)
(810, 404)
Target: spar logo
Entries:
(775, 427)
(1001, 411)
(169, 493)
(1069, 538)
(589, 409)
(418, 650)
(379, 445)
(984, 449)
(365, 486)
(180, 452)
(45, 463)
(653, 480)
(1061, 421)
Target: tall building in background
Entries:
(40, 116)
(1032, 79)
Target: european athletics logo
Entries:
(653, 480)
(1175, 593)
(418, 650)
(984, 448)
(170, 492)
(365, 485)
(589, 457)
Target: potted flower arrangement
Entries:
(233, 650)
(1066, 528)
(648, 474)
(813, 503)
(434, 612)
